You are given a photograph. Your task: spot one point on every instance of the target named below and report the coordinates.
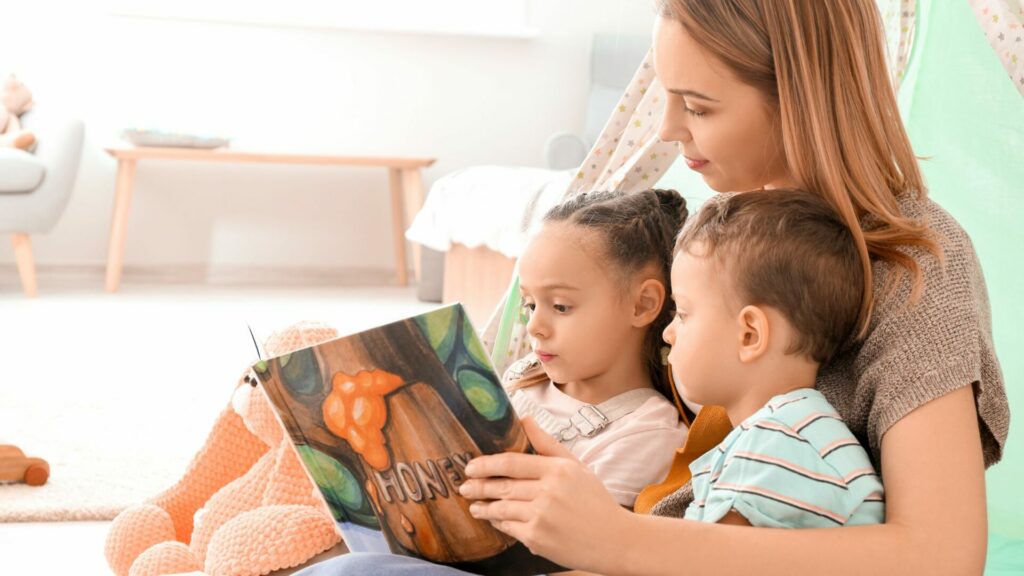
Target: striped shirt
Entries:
(792, 464)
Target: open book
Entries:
(385, 421)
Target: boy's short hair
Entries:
(789, 250)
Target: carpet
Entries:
(118, 392)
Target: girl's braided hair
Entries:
(636, 231)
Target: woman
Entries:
(765, 94)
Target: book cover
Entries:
(385, 422)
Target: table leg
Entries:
(395, 179)
(119, 223)
(412, 180)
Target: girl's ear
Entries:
(647, 304)
(754, 333)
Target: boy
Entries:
(768, 287)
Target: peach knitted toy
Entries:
(254, 508)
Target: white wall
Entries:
(465, 100)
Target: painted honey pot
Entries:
(398, 412)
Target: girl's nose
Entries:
(534, 327)
(668, 335)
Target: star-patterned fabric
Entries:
(1003, 22)
(898, 18)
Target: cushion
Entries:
(20, 172)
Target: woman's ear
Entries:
(647, 303)
(754, 333)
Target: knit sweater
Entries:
(914, 353)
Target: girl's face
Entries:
(726, 130)
(579, 318)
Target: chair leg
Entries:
(26, 266)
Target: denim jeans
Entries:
(365, 563)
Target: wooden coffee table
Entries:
(404, 174)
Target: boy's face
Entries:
(705, 334)
(579, 322)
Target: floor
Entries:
(77, 323)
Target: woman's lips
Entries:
(695, 164)
(544, 356)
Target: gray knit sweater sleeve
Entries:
(915, 353)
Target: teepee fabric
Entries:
(1003, 22)
(898, 19)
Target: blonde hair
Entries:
(822, 65)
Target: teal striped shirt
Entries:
(792, 464)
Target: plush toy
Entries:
(15, 100)
(245, 505)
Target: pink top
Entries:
(632, 452)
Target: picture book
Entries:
(385, 422)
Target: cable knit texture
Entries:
(913, 354)
(245, 505)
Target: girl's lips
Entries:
(544, 357)
(695, 164)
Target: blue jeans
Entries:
(361, 563)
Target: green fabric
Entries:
(1005, 556)
(966, 118)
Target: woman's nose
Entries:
(673, 126)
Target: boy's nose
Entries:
(668, 335)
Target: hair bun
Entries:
(672, 203)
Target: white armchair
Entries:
(35, 187)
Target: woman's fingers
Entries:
(502, 511)
(523, 466)
(500, 489)
(510, 465)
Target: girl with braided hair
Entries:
(594, 281)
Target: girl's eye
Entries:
(562, 308)
(529, 306)
(680, 316)
(694, 113)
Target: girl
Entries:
(594, 283)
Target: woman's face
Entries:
(726, 130)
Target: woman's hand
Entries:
(551, 502)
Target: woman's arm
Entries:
(936, 523)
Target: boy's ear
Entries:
(754, 333)
(650, 297)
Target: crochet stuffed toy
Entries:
(15, 100)
(245, 505)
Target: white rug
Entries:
(117, 392)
